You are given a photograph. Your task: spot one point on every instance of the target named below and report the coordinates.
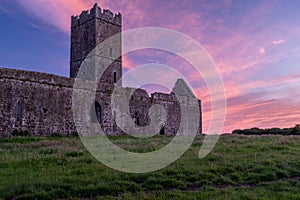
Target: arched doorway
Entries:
(98, 111)
(162, 130)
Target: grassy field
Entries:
(239, 167)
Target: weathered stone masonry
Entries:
(37, 102)
(41, 103)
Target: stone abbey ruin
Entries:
(41, 103)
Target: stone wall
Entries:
(42, 104)
(37, 102)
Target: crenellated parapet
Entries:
(96, 12)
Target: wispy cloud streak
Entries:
(246, 40)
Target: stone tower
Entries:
(88, 30)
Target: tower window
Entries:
(110, 52)
(115, 77)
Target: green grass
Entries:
(239, 167)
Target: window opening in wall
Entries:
(114, 115)
(98, 111)
(136, 119)
(115, 77)
(110, 52)
(19, 111)
(162, 131)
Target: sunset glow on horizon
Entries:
(255, 45)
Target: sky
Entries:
(255, 45)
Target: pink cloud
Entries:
(55, 12)
(277, 42)
(240, 49)
(262, 50)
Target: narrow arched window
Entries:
(136, 119)
(114, 115)
(110, 52)
(115, 77)
(19, 111)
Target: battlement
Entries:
(96, 12)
